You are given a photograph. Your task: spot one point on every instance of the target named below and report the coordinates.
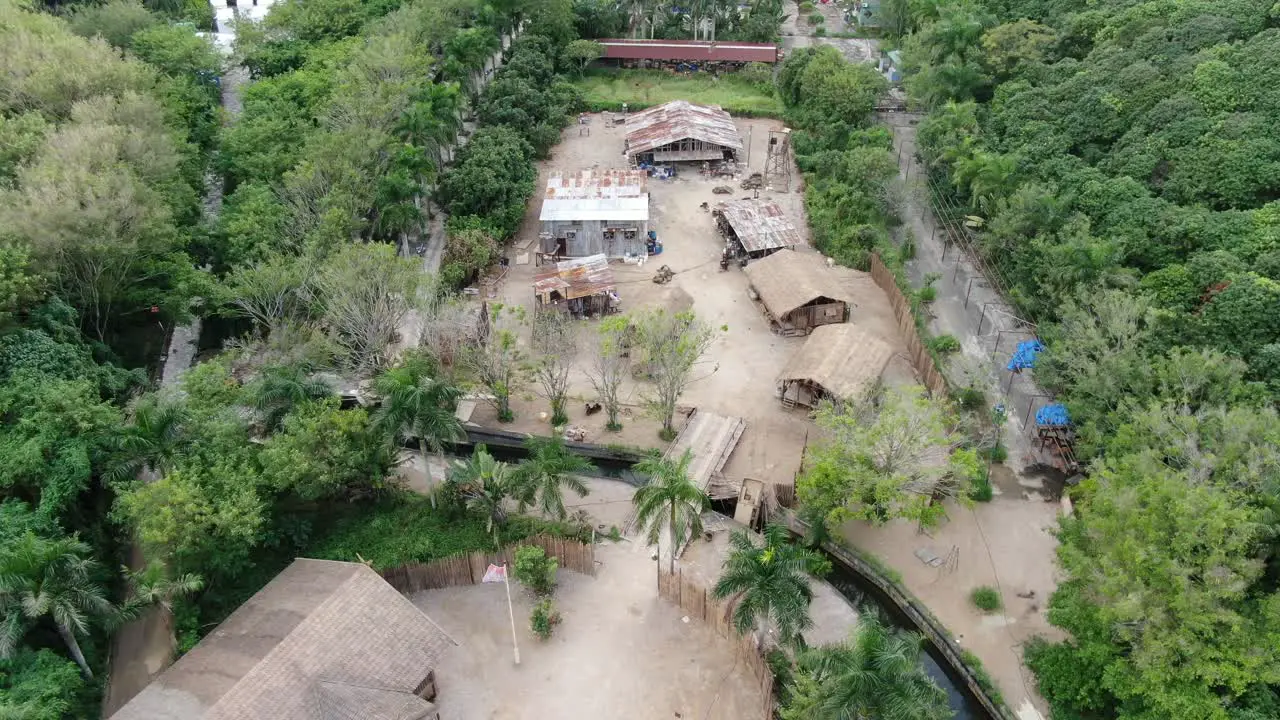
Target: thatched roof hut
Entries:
(324, 640)
(798, 291)
(837, 361)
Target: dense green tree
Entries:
(325, 452)
(769, 585)
(540, 480)
(876, 673)
(669, 500)
(418, 403)
(485, 483)
(53, 580)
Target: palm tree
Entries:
(549, 468)
(485, 483)
(769, 582)
(153, 586)
(416, 403)
(669, 500)
(281, 387)
(875, 674)
(42, 578)
(152, 441)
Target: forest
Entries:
(130, 203)
(1117, 161)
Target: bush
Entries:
(997, 454)
(944, 344)
(535, 570)
(806, 7)
(981, 490)
(544, 619)
(970, 398)
(820, 31)
(816, 19)
(986, 598)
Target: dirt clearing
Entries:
(621, 652)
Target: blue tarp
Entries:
(1054, 414)
(1025, 355)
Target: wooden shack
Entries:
(837, 362)
(798, 292)
(583, 287)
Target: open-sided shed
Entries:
(680, 131)
(837, 362)
(798, 291)
(759, 227)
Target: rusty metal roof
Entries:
(596, 184)
(691, 50)
(576, 278)
(677, 120)
(760, 224)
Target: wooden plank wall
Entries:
(921, 360)
(469, 569)
(694, 600)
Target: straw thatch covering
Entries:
(838, 361)
(324, 640)
(789, 280)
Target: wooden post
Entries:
(506, 580)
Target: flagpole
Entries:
(515, 646)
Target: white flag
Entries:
(495, 573)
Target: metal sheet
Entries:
(622, 209)
(677, 120)
(579, 277)
(760, 225)
(689, 50)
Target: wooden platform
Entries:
(711, 438)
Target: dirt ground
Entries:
(738, 375)
(621, 652)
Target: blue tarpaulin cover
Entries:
(1025, 354)
(1054, 414)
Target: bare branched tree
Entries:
(555, 346)
(272, 293)
(496, 359)
(610, 364)
(366, 292)
(673, 345)
(448, 326)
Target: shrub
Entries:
(820, 31)
(986, 598)
(970, 398)
(944, 344)
(997, 454)
(816, 18)
(544, 619)
(806, 7)
(981, 490)
(535, 570)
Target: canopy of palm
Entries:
(50, 579)
(152, 441)
(769, 583)
(669, 500)
(875, 674)
(485, 483)
(417, 404)
(540, 480)
(281, 387)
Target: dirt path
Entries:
(142, 649)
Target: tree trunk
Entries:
(674, 540)
(426, 470)
(69, 638)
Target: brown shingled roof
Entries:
(316, 636)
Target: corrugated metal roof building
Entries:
(680, 131)
(759, 225)
(595, 212)
(693, 51)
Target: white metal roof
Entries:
(616, 208)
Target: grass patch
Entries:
(983, 677)
(986, 598)
(608, 89)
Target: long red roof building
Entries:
(689, 50)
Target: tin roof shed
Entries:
(678, 120)
(760, 225)
(596, 195)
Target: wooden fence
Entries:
(916, 350)
(468, 569)
(692, 598)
